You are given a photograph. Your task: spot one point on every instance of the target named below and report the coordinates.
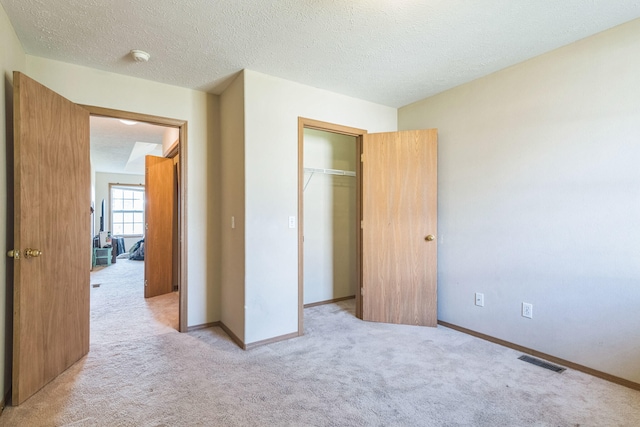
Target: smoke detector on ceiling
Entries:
(140, 55)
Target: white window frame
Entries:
(126, 211)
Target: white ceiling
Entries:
(120, 148)
(392, 52)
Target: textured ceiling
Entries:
(392, 52)
(120, 148)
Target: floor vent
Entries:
(542, 363)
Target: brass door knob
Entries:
(32, 253)
(14, 253)
(430, 237)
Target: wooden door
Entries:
(52, 215)
(158, 239)
(399, 224)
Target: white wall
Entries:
(539, 201)
(12, 58)
(102, 192)
(272, 108)
(330, 262)
(93, 87)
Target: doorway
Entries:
(176, 150)
(329, 217)
(397, 206)
(329, 178)
(51, 315)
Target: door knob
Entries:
(430, 237)
(14, 253)
(32, 253)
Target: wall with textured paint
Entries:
(539, 201)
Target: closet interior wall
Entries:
(330, 246)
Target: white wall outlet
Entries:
(479, 299)
(527, 310)
(292, 222)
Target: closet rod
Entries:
(330, 171)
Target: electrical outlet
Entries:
(479, 299)
(292, 222)
(527, 310)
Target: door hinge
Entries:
(145, 283)
(361, 224)
(361, 157)
(362, 291)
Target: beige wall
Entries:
(93, 87)
(539, 201)
(170, 140)
(272, 108)
(12, 58)
(330, 262)
(233, 241)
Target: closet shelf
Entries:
(330, 171)
(313, 171)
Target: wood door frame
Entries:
(305, 123)
(182, 220)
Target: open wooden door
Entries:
(399, 224)
(51, 235)
(158, 240)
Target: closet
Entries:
(329, 200)
(390, 249)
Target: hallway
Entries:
(119, 311)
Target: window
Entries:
(127, 210)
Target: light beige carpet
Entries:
(343, 372)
